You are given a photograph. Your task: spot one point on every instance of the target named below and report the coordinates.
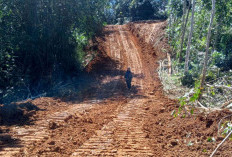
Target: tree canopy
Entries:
(134, 10)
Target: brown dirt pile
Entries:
(190, 136)
(22, 113)
(152, 37)
(102, 61)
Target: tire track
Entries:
(124, 135)
(132, 54)
(121, 137)
(40, 131)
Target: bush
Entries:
(210, 76)
(187, 80)
(222, 61)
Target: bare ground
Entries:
(111, 120)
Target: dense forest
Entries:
(200, 37)
(123, 11)
(42, 41)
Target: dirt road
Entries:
(114, 121)
(124, 135)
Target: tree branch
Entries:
(226, 104)
(220, 144)
(219, 86)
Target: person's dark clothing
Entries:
(128, 77)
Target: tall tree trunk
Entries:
(218, 30)
(207, 46)
(169, 64)
(183, 34)
(183, 21)
(190, 39)
(170, 24)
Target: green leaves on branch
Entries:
(80, 38)
(188, 101)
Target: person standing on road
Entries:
(128, 77)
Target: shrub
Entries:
(187, 80)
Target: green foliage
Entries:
(80, 38)
(187, 80)
(211, 139)
(42, 40)
(210, 76)
(6, 69)
(135, 10)
(228, 128)
(183, 101)
(197, 92)
(204, 150)
(218, 58)
(221, 33)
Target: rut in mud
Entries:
(114, 121)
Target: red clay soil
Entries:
(114, 121)
(169, 136)
(67, 136)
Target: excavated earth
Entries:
(109, 120)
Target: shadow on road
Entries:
(17, 114)
(6, 141)
(111, 85)
(105, 81)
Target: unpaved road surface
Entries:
(114, 121)
(124, 135)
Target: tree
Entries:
(190, 38)
(40, 40)
(184, 24)
(170, 13)
(134, 10)
(207, 46)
